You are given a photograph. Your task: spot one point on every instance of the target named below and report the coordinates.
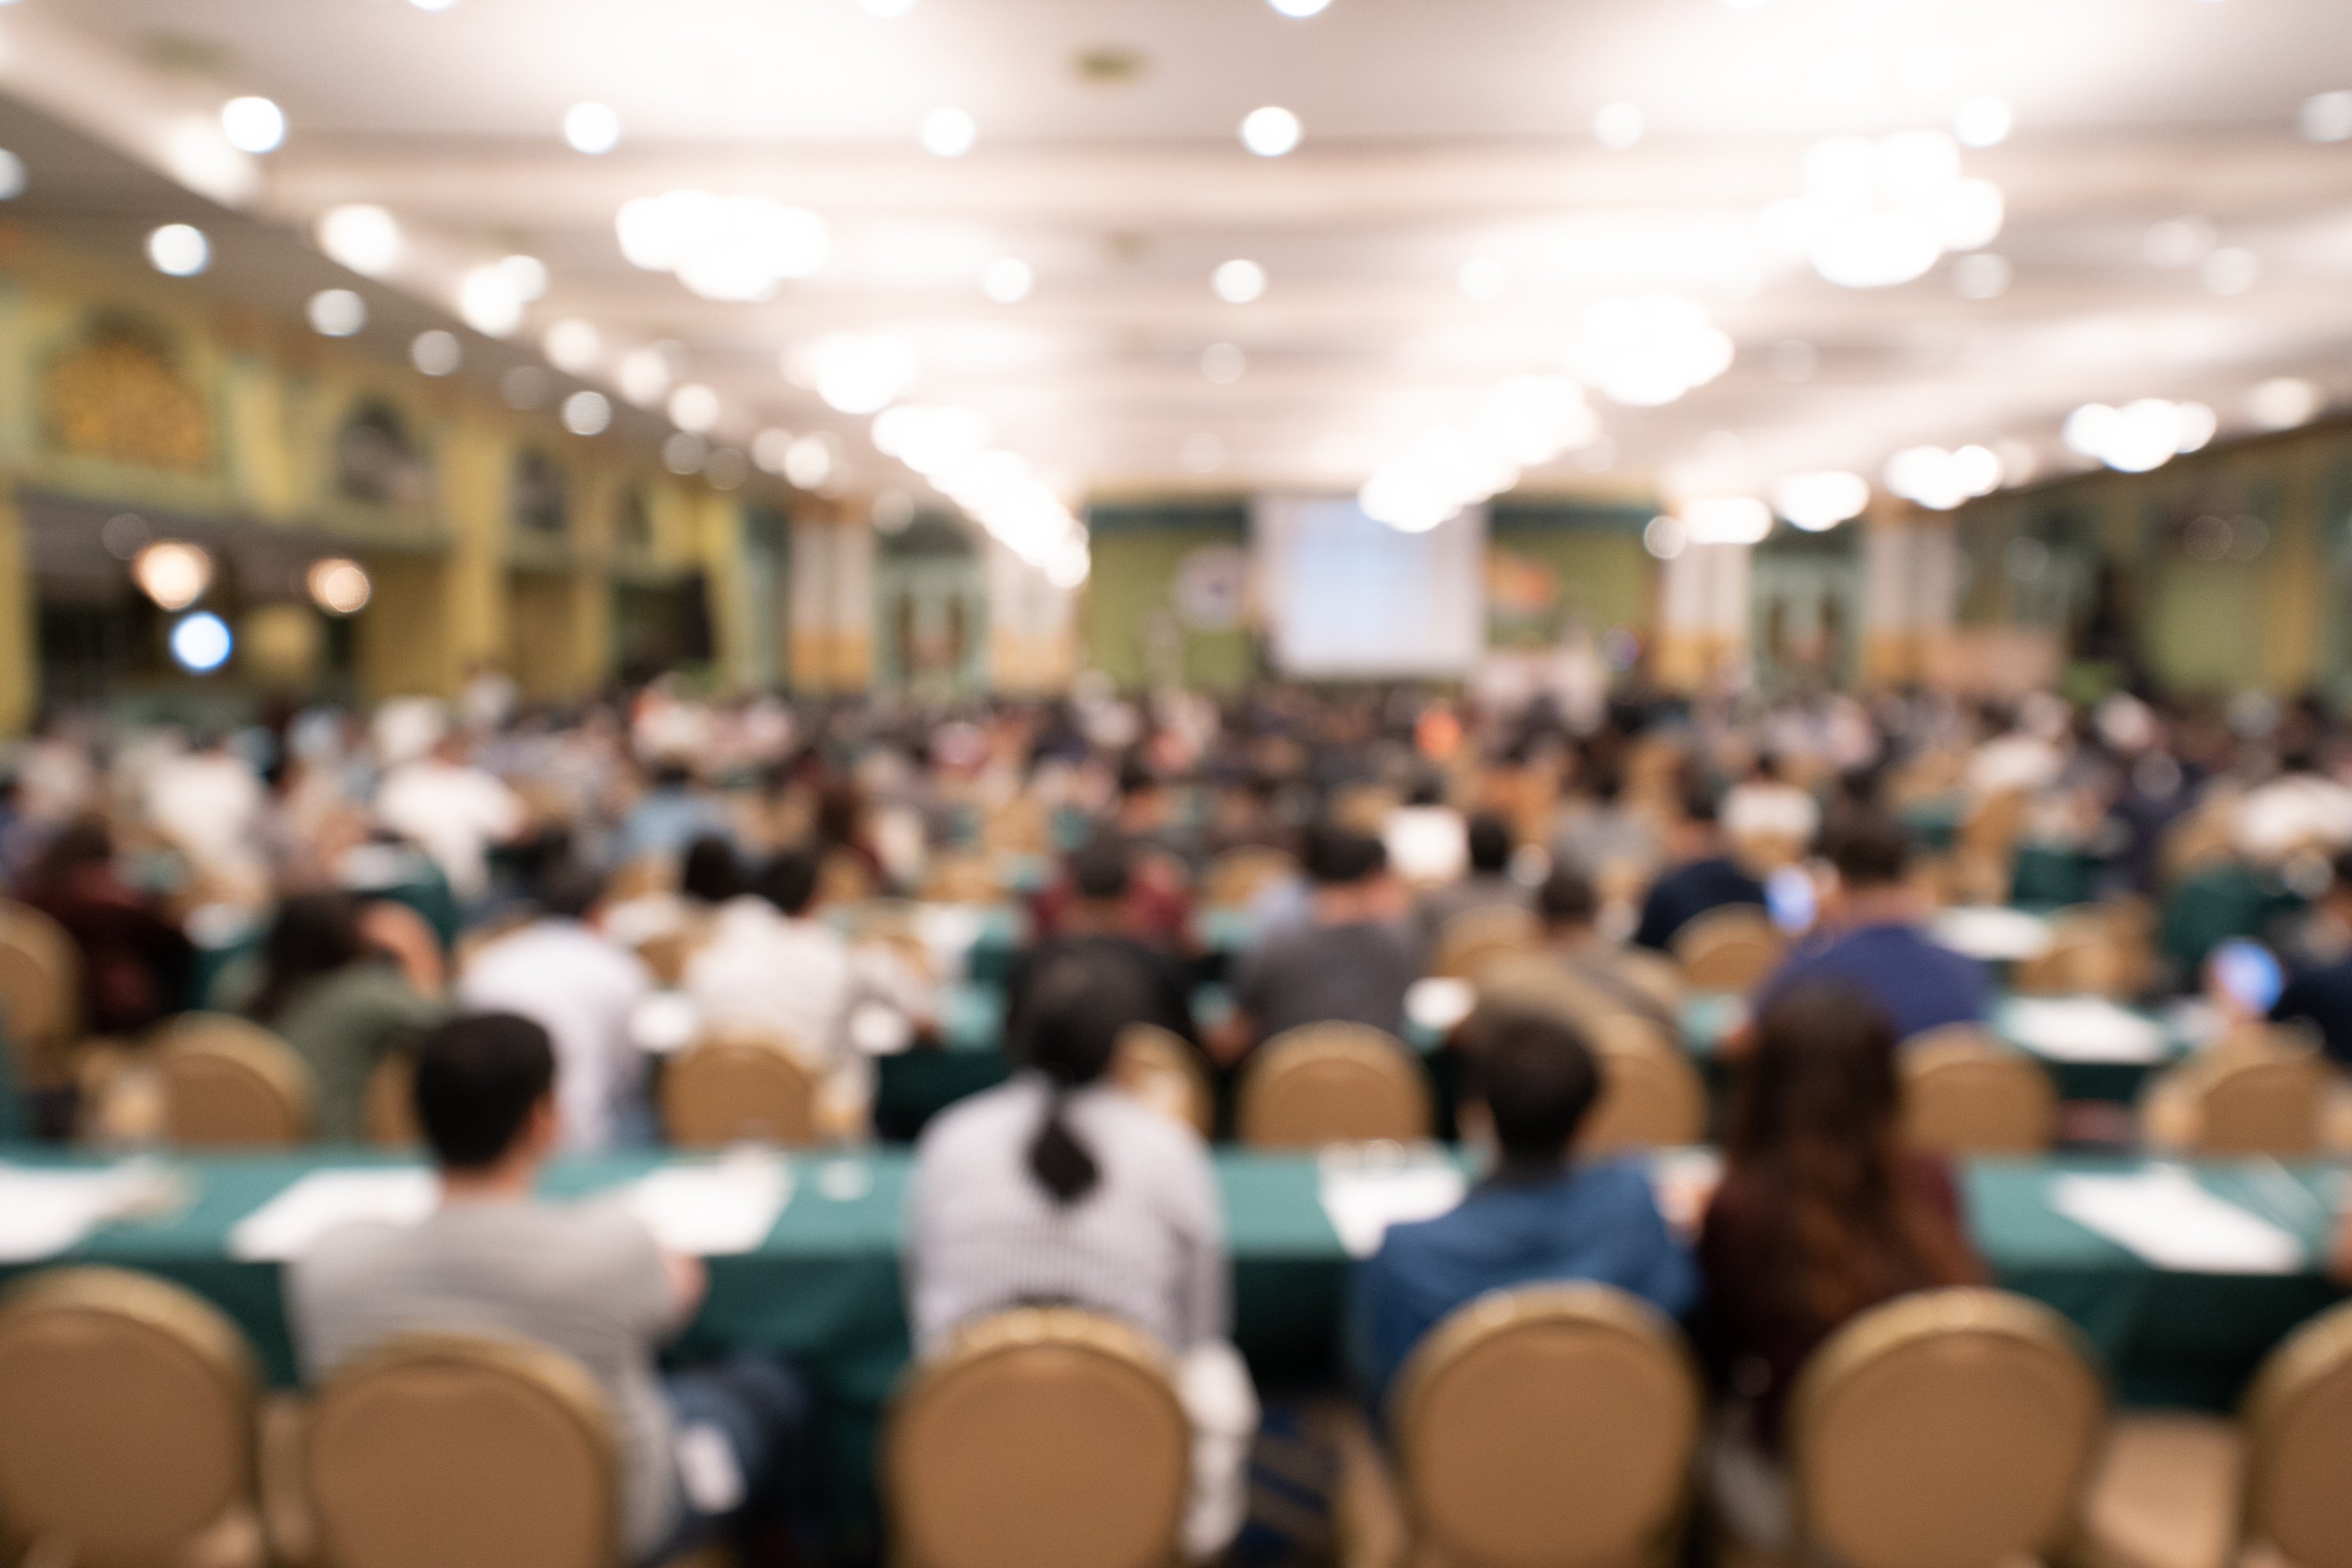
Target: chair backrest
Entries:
(1157, 1066)
(1543, 1426)
(1946, 1429)
(1236, 877)
(2093, 952)
(1475, 939)
(962, 879)
(1041, 1438)
(1965, 1092)
(1332, 1084)
(1652, 1097)
(730, 1088)
(389, 1110)
(40, 989)
(2298, 1431)
(126, 1410)
(1732, 949)
(464, 1453)
(2258, 1095)
(229, 1083)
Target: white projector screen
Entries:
(1351, 599)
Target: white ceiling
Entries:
(1435, 132)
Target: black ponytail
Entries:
(1073, 1028)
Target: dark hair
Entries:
(789, 881)
(1073, 1031)
(1100, 871)
(569, 889)
(1815, 1123)
(2343, 869)
(1567, 898)
(1136, 777)
(477, 1079)
(315, 934)
(711, 872)
(87, 842)
(1698, 800)
(1338, 856)
(1537, 1078)
(673, 775)
(1490, 843)
(1871, 849)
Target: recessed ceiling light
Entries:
(179, 250)
(949, 132)
(1618, 125)
(1300, 7)
(592, 128)
(253, 124)
(1238, 282)
(1271, 131)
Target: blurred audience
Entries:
(340, 1001)
(1350, 962)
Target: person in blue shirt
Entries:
(1542, 1217)
(1872, 937)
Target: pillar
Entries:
(19, 649)
(1032, 624)
(1910, 577)
(477, 489)
(1702, 617)
(832, 599)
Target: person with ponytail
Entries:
(1058, 1190)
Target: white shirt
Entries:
(582, 987)
(209, 804)
(762, 970)
(454, 813)
(1763, 808)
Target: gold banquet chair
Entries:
(734, 1088)
(2263, 1093)
(463, 1452)
(40, 993)
(2299, 1436)
(1948, 1429)
(229, 1083)
(1733, 949)
(126, 1410)
(1332, 1084)
(1965, 1092)
(1158, 1067)
(1235, 879)
(1041, 1438)
(1476, 939)
(2093, 951)
(389, 1110)
(1652, 1097)
(1549, 1425)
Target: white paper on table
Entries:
(44, 1212)
(2081, 1029)
(878, 1029)
(1991, 934)
(290, 1224)
(1362, 1202)
(949, 930)
(713, 1210)
(1438, 1004)
(665, 1023)
(2165, 1217)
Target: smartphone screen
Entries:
(2248, 973)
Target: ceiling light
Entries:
(2327, 117)
(338, 586)
(587, 412)
(1223, 363)
(644, 375)
(367, 239)
(1534, 419)
(1664, 536)
(1300, 7)
(734, 249)
(855, 372)
(12, 177)
(528, 277)
(487, 301)
(811, 462)
(693, 407)
(1443, 471)
(1271, 131)
(179, 250)
(1942, 480)
(253, 124)
(1819, 502)
(1618, 126)
(1878, 212)
(592, 128)
(949, 132)
(1008, 280)
(573, 345)
(1725, 521)
(435, 352)
(2285, 402)
(1983, 122)
(932, 440)
(336, 313)
(1239, 282)
(1483, 279)
(173, 573)
(201, 642)
(2139, 437)
(1648, 352)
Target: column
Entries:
(1032, 624)
(1910, 573)
(477, 489)
(1702, 617)
(20, 651)
(832, 599)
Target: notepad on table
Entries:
(1363, 1202)
(44, 1212)
(1991, 934)
(290, 1224)
(2162, 1216)
(2081, 1029)
(713, 1210)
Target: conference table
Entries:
(823, 1284)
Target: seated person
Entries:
(340, 1001)
(1487, 886)
(1348, 963)
(1161, 859)
(1706, 878)
(1057, 1188)
(1542, 1216)
(1870, 937)
(1821, 1214)
(2320, 993)
(587, 1280)
(1097, 936)
(1581, 972)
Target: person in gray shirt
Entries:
(701, 1452)
(1350, 962)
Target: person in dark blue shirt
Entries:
(1542, 1217)
(1708, 878)
(1872, 938)
(2319, 988)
